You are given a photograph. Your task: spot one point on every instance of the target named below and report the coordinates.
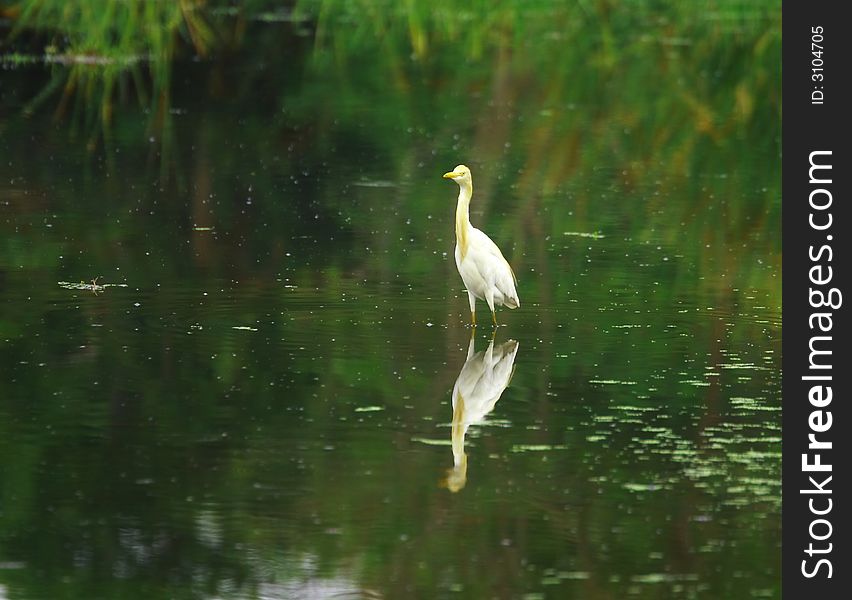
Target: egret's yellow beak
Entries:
(451, 175)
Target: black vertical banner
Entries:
(816, 61)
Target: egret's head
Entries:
(457, 476)
(461, 175)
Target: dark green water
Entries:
(255, 397)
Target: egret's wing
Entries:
(506, 284)
(497, 369)
(484, 242)
(503, 276)
(493, 249)
(490, 268)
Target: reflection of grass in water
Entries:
(658, 109)
(101, 46)
(19, 59)
(562, 107)
(658, 106)
(650, 92)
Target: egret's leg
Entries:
(489, 298)
(472, 300)
(472, 345)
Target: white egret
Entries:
(481, 382)
(485, 272)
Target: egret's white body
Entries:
(481, 382)
(486, 274)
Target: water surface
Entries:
(231, 333)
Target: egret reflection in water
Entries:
(481, 381)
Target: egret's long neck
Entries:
(463, 217)
(459, 429)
